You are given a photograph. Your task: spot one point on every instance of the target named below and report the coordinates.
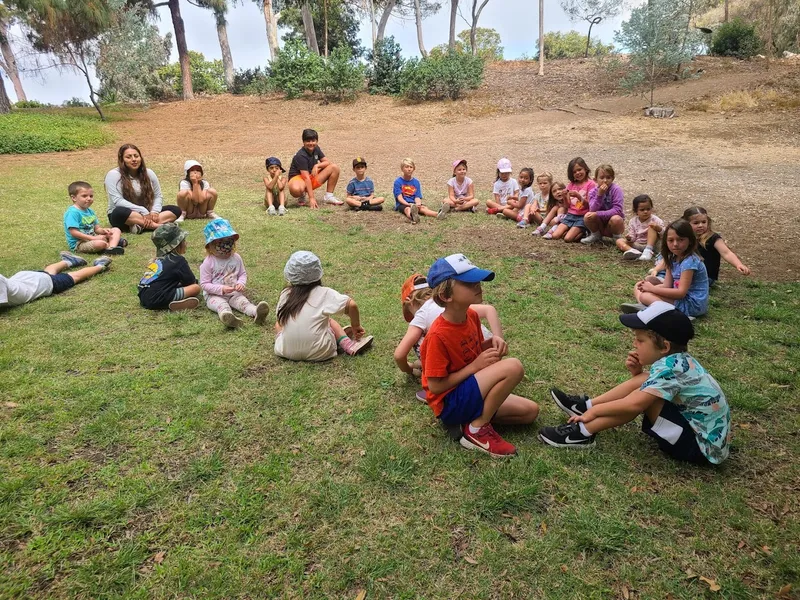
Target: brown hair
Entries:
(661, 342)
(444, 289)
(147, 195)
(551, 199)
(295, 301)
(606, 169)
(699, 210)
(417, 297)
(77, 186)
(683, 229)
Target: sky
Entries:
(517, 22)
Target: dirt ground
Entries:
(741, 165)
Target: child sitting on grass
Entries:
(275, 184)
(536, 209)
(464, 377)
(82, 228)
(408, 194)
(460, 191)
(554, 211)
(27, 286)
(572, 227)
(515, 210)
(361, 190)
(305, 329)
(644, 229)
(710, 244)
(169, 281)
(505, 188)
(682, 406)
(196, 197)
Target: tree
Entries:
(404, 9)
(220, 10)
(8, 62)
(451, 42)
(342, 26)
(487, 43)
(418, 21)
(475, 14)
(658, 42)
(592, 11)
(180, 41)
(271, 21)
(541, 37)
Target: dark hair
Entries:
(529, 171)
(295, 301)
(641, 199)
(605, 168)
(699, 210)
(684, 229)
(580, 162)
(77, 186)
(147, 196)
(551, 199)
(661, 343)
(310, 134)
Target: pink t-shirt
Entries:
(638, 229)
(580, 206)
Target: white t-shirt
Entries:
(24, 287)
(185, 185)
(459, 191)
(505, 189)
(307, 335)
(426, 315)
(527, 195)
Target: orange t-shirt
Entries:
(447, 348)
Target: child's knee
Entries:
(514, 368)
(531, 412)
(622, 244)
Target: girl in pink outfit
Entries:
(572, 227)
(223, 277)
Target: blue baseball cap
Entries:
(273, 161)
(458, 267)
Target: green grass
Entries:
(154, 455)
(51, 130)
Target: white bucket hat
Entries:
(302, 268)
(191, 163)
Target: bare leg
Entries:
(211, 198)
(493, 204)
(615, 226)
(330, 176)
(424, 210)
(281, 198)
(269, 199)
(516, 410)
(535, 217)
(56, 268)
(611, 421)
(184, 200)
(114, 237)
(510, 213)
(166, 216)
(623, 245)
(652, 237)
(592, 222)
(496, 383)
(352, 202)
(574, 234)
(560, 231)
(297, 187)
(85, 273)
(468, 205)
(191, 290)
(338, 330)
(376, 201)
(622, 390)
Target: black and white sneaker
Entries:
(566, 436)
(573, 406)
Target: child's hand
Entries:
(646, 286)
(358, 332)
(654, 227)
(653, 272)
(228, 289)
(584, 418)
(239, 287)
(629, 237)
(602, 189)
(500, 345)
(744, 269)
(632, 363)
(486, 358)
(195, 176)
(416, 371)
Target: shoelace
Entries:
(568, 428)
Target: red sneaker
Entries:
(487, 440)
(492, 211)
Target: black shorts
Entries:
(61, 282)
(120, 214)
(674, 435)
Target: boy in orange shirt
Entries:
(465, 380)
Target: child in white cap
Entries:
(196, 197)
(305, 328)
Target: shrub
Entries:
(31, 133)
(342, 77)
(297, 69)
(570, 45)
(736, 38)
(442, 76)
(487, 44)
(251, 82)
(75, 102)
(384, 73)
(207, 75)
(30, 104)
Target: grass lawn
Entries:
(153, 455)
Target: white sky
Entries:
(515, 20)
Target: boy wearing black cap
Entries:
(682, 406)
(465, 380)
(275, 183)
(361, 190)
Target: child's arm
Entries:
(268, 181)
(730, 256)
(281, 182)
(306, 177)
(470, 193)
(666, 290)
(206, 282)
(241, 280)
(84, 237)
(451, 193)
(437, 385)
(398, 192)
(404, 347)
(489, 313)
(351, 310)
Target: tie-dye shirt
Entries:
(680, 379)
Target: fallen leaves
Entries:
(712, 584)
(159, 557)
(361, 595)
(470, 560)
(784, 591)
(10, 404)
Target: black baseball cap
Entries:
(276, 162)
(664, 319)
(359, 161)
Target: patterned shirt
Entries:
(680, 379)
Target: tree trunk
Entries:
(726, 12)
(10, 63)
(325, 24)
(308, 26)
(451, 44)
(372, 22)
(225, 47)
(418, 18)
(183, 52)
(476, 14)
(272, 29)
(541, 37)
(387, 12)
(5, 103)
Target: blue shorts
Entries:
(573, 220)
(463, 404)
(675, 436)
(61, 282)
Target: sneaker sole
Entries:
(185, 304)
(566, 410)
(443, 212)
(421, 396)
(261, 315)
(550, 442)
(362, 345)
(630, 309)
(230, 320)
(470, 446)
(72, 260)
(631, 254)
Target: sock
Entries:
(648, 247)
(588, 404)
(473, 429)
(583, 429)
(339, 341)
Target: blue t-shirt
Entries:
(409, 188)
(82, 220)
(360, 188)
(680, 379)
(695, 303)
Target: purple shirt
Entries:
(607, 205)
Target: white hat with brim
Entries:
(302, 268)
(191, 163)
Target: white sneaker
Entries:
(443, 211)
(181, 218)
(262, 312)
(631, 254)
(281, 210)
(592, 238)
(331, 199)
(212, 215)
(271, 211)
(230, 320)
(647, 254)
(135, 229)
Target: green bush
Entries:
(31, 133)
(442, 76)
(384, 73)
(736, 38)
(31, 104)
(208, 76)
(251, 82)
(487, 45)
(570, 45)
(75, 102)
(297, 69)
(342, 77)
